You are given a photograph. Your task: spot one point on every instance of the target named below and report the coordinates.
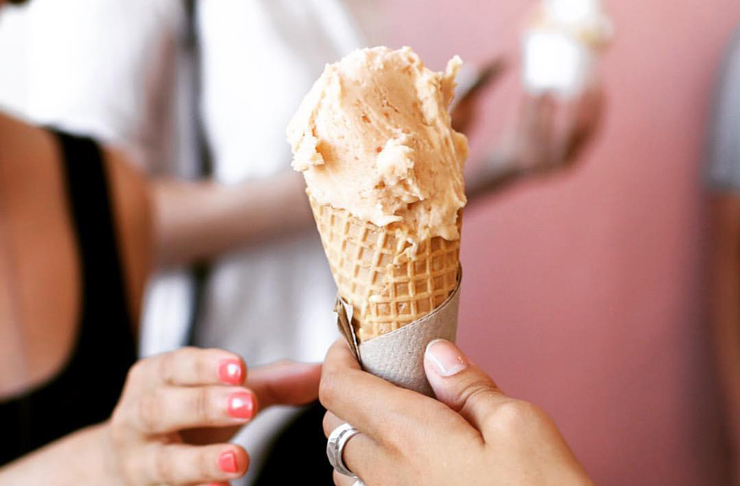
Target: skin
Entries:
(196, 221)
(474, 434)
(725, 311)
(170, 402)
(148, 440)
(550, 137)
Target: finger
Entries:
(373, 405)
(586, 122)
(361, 454)
(330, 423)
(189, 367)
(171, 409)
(342, 480)
(180, 464)
(463, 387)
(286, 383)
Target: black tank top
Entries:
(90, 383)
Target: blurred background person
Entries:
(724, 183)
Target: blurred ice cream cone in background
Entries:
(562, 45)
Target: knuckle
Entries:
(149, 411)
(167, 368)
(201, 406)
(135, 373)
(202, 366)
(164, 465)
(468, 395)
(117, 426)
(204, 466)
(328, 390)
(326, 423)
(515, 415)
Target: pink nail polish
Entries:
(241, 405)
(445, 358)
(227, 462)
(230, 371)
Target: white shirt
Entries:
(275, 301)
(114, 69)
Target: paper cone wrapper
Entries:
(398, 356)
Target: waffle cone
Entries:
(388, 283)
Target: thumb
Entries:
(460, 385)
(285, 383)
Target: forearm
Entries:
(79, 458)
(498, 172)
(199, 220)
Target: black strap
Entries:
(93, 215)
(200, 270)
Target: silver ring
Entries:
(335, 449)
(359, 482)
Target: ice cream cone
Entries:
(389, 282)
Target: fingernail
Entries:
(445, 357)
(227, 462)
(241, 405)
(230, 371)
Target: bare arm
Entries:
(79, 458)
(198, 220)
(725, 306)
(549, 136)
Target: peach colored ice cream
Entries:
(373, 137)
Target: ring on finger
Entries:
(335, 449)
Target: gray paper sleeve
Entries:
(399, 355)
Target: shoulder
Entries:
(32, 184)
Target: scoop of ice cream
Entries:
(584, 19)
(373, 137)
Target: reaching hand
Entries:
(550, 135)
(189, 389)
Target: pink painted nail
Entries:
(241, 405)
(227, 462)
(230, 371)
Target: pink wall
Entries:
(589, 300)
